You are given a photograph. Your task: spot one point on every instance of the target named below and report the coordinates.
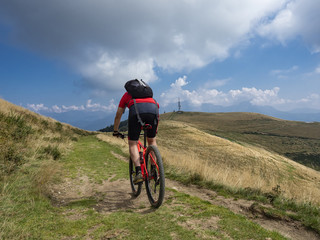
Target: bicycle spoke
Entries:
(155, 182)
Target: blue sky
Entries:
(63, 56)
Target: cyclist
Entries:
(148, 110)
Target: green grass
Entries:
(93, 158)
(26, 213)
(229, 225)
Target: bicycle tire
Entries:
(136, 189)
(155, 186)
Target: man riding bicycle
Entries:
(143, 109)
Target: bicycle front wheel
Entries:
(155, 182)
(136, 189)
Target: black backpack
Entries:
(138, 89)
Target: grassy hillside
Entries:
(59, 182)
(236, 165)
(26, 136)
(298, 141)
(238, 171)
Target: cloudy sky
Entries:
(63, 55)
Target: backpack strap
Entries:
(155, 101)
(137, 112)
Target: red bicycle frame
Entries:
(141, 147)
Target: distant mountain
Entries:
(304, 115)
(86, 120)
(93, 121)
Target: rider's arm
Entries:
(117, 119)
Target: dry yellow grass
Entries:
(216, 159)
(231, 164)
(7, 108)
(44, 127)
(121, 143)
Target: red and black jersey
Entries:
(127, 101)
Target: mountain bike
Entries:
(152, 171)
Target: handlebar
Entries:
(122, 136)
(119, 135)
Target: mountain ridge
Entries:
(94, 120)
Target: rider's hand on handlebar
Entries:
(118, 134)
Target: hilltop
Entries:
(60, 182)
(299, 141)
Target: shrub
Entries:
(80, 132)
(52, 151)
(10, 159)
(13, 141)
(45, 123)
(17, 126)
(58, 126)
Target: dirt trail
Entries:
(288, 228)
(113, 196)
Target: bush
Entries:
(80, 132)
(52, 151)
(17, 126)
(10, 159)
(13, 141)
(58, 126)
(45, 123)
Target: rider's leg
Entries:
(135, 156)
(134, 153)
(152, 141)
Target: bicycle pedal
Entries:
(138, 182)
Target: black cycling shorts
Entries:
(134, 127)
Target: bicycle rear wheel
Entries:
(136, 189)
(155, 182)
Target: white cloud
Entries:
(107, 72)
(284, 71)
(55, 109)
(317, 70)
(38, 107)
(73, 108)
(110, 42)
(180, 82)
(311, 101)
(299, 18)
(98, 107)
(257, 97)
(90, 106)
(313, 73)
(216, 83)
